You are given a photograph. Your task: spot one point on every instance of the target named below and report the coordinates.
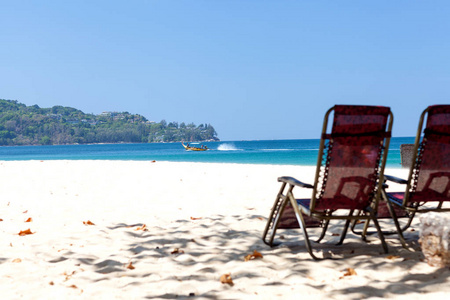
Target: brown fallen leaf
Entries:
(335, 234)
(88, 223)
(226, 279)
(29, 220)
(349, 272)
(68, 276)
(17, 260)
(177, 251)
(255, 255)
(143, 228)
(1, 220)
(130, 266)
(25, 212)
(51, 283)
(392, 256)
(25, 232)
(193, 218)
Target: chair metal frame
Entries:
(285, 196)
(411, 208)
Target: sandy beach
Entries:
(144, 230)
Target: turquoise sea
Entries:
(277, 152)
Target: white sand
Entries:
(213, 213)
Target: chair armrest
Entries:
(293, 181)
(395, 179)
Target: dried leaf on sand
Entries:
(88, 223)
(226, 279)
(255, 255)
(143, 228)
(177, 251)
(130, 266)
(194, 218)
(349, 272)
(29, 220)
(25, 232)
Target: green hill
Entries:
(32, 125)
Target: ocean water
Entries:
(277, 152)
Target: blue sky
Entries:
(254, 69)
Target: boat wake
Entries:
(227, 147)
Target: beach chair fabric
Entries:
(351, 160)
(429, 177)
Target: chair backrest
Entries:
(352, 157)
(429, 178)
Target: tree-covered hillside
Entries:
(32, 125)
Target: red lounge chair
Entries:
(350, 164)
(428, 184)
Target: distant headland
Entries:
(59, 125)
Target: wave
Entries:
(227, 147)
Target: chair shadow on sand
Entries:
(201, 250)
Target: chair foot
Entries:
(322, 235)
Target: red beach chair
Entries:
(347, 183)
(428, 184)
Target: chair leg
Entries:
(380, 233)
(353, 228)
(325, 227)
(301, 222)
(410, 219)
(344, 233)
(385, 232)
(274, 217)
(364, 231)
(396, 223)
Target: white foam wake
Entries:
(227, 147)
